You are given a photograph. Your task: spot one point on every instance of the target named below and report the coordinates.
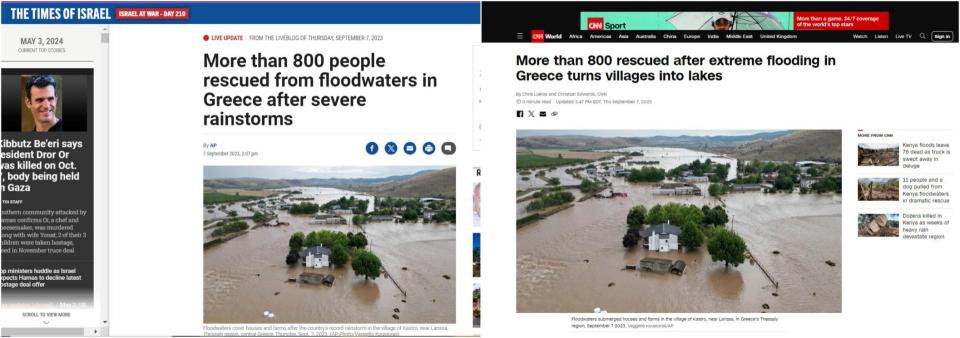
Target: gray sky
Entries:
(300, 172)
(638, 133)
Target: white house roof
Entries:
(317, 251)
(661, 229)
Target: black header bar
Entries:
(716, 21)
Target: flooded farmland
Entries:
(670, 158)
(667, 158)
(572, 261)
(247, 276)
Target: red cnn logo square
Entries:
(536, 35)
(594, 24)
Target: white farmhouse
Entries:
(316, 257)
(662, 237)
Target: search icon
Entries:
(923, 36)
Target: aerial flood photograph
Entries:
(678, 221)
(878, 154)
(289, 244)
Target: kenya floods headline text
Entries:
(295, 79)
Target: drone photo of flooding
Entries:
(675, 221)
(329, 244)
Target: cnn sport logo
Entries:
(594, 24)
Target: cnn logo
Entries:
(595, 24)
(536, 35)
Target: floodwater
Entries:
(536, 182)
(669, 158)
(522, 206)
(322, 195)
(566, 262)
(673, 157)
(214, 213)
(246, 276)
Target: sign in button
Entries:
(941, 36)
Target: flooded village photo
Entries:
(329, 244)
(678, 221)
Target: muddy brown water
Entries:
(243, 276)
(553, 274)
(214, 213)
(670, 158)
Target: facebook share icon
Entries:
(372, 148)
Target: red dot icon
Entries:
(206, 37)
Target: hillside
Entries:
(439, 183)
(263, 183)
(822, 145)
(682, 141)
(572, 142)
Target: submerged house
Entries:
(662, 237)
(428, 200)
(695, 179)
(317, 278)
(678, 267)
(385, 218)
(677, 189)
(752, 187)
(808, 182)
(316, 257)
(342, 212)
(325, 218)
(652, 264)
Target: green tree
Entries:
(229, 227)
(445, 215)
(827, 184)
(716, 216)
(721, 172)
(636, 217)
(360, 219)
(293, 257)
(296, 241)
(715, 190)
(588, 186)
(631, 239)
(312, 239)
(260, 217)
(339, 255)
(646, 174)
(366, 264)
(411, 214)
(358, 240)
(783, 183)
(656, 215)
(721, 215)
(304, 208)
(728, 247)
(544, 201)
(690, 236)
